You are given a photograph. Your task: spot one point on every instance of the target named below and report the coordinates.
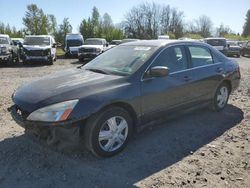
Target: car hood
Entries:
(62, 86)
(92, 46)
(35, 47)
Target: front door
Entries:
(160, 94)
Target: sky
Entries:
(228, 12)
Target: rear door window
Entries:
(200, 56)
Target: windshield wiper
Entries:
(98, 71)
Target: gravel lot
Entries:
(200, 149)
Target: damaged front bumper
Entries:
(67, 133)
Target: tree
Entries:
(222, 30)
(203, 26)
(64, 29)
(11, 31)
(35, 20)
(148, 20)
(52, 24)
(246, 27)
(95, 22)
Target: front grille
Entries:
(36, 53)
(81, 50)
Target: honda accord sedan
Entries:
(102, 103)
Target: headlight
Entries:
(48, 51)
(98, 50)
(4, 49)
(55, 112)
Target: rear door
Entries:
(206, 72)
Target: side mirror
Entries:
(158, 71)
(107, 44)
(228, 45)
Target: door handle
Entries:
(187, 78)
(219, 69)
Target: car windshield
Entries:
(40, 41)
(4, 40)
(122, 60)
(74, 42)
(92, 42)
(217, 42)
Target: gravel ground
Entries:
(200, 149)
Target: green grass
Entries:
(59, 52)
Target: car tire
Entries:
(242, 53)
(51, 62)
(107, 132)
(221, 97)
(81, 59)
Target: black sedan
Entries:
(104, 102)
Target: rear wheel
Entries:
(221, 97)
(107, 133)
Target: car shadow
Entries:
(22, 65)
(80, 63)
(25, 163)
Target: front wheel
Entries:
(107, 133)
(221, 97)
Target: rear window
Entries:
(216, 42)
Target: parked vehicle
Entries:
(245, 49)
(128, 40)
(8, 51)
(91, 48)
(218, 43)
(18, 42)
(104, 101)
(163, 37)
(72, 44)
(114, 43)
(41, 48)
(233, 48)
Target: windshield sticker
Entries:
(141, 48)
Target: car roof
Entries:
(95, 39)
(159, 43)
(215, 38)
(4, 35)
(38, 36)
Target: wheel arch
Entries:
(228, 83)
(128, 108)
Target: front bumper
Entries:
(88, 55)
(37, 58)
(20, 119)
(233, 52)
(4, 58)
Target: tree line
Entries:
(144, 21)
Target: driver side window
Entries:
(173, 57)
